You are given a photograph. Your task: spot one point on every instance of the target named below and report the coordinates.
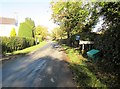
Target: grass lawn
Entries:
(30, 49)
(82, 73)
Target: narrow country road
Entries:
(42, 68)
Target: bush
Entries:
(10, 44)
(13, 32)
(88, 36)
(109, 44)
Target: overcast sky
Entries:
(37, 10)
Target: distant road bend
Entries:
(42, 68)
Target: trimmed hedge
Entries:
(10, 44)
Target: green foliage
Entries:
(57, 33)
(13, 32)
(71, 16)
(26, 28)
(109, 44)
(110, 12)
(42, 31)
(10, 44)
(82, 73)
(38, 39)
(109, 41)
(29, 49)
(30, 22)
(93, 16)
(88, 36)
(86, 78)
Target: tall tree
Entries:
(93, 17)
(57, 33)
(41, 30)
(26, 28)
(70, 15)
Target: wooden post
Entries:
(83, 45)
(89, 46)
(83, 48)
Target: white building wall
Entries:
(5, 29)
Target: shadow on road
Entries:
(46, 71)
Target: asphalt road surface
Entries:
(42, 68)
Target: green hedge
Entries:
(10, 44)
(109, 44)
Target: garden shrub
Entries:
(13, 32)
(10, 44)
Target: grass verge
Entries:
(30, 49)
(82, 74)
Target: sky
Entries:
(38, 10)
(98, 25)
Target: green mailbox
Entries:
(93, 53)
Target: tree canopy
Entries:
(110, 12)
(26, 28)
(75, 17)
(42, 31)
(57, 33)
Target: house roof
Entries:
(4, 20)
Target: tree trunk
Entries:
(68, 34)
(68, 38)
